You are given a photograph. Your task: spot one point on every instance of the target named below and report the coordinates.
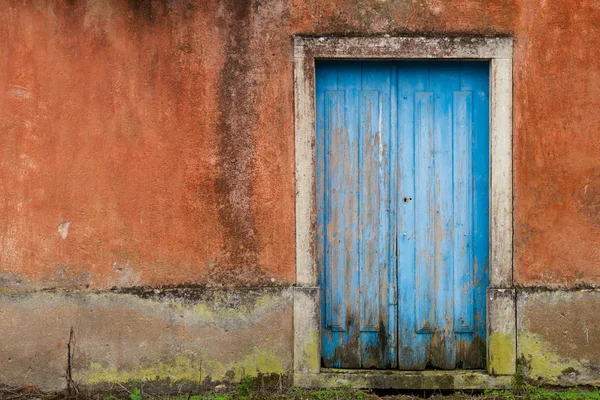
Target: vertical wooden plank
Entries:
(475, 78)
(326, 82)
(339, 206)
(347, 146)
(411, 77)
(371, 195)
(463, 196)
(425, 219)
(392, 272)
(374, 183)
(341, 219)
(444, 79)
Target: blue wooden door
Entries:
(402, 197)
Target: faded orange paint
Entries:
(163, 132)
(557, 144)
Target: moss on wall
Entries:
(310, 353)
(502, 353)
(542, 364)
(183, 368)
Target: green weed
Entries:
(135, 394)
(344, 393)
(527, 392)
(222, 397)
(243, 390)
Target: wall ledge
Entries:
(385, 379)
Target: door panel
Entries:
(471, 345)
(353, 129)
(402, 201)
(413, 78)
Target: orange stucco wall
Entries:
(157, 137)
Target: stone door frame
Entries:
(501, 304)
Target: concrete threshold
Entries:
(392, 379)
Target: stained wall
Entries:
(150, 143)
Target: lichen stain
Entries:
(502, 353)
(543, 364)
(189, 368)
(310, 352)
(224, 309)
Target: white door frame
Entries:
(501, 322)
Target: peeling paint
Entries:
(120, 116)
(63, 229)
(180, 114)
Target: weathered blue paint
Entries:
(353, 128)
(402, 196)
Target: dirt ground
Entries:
(246, 391)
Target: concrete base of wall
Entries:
(559, 336)
(204, 336)
(377, 379)
(176, 335)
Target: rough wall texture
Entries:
(150, 142)
(176, 335)
(557, 142)
(558, 337)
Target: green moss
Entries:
(10, 291)
(542, 361)
(502, 353)
(310, 353)
(262, 361)
(258, 361)
(228, 315)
